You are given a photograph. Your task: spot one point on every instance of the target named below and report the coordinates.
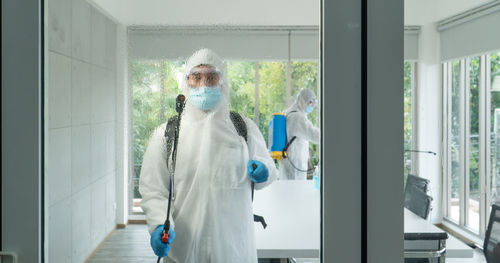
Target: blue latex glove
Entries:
(161, 249)
(257, 171)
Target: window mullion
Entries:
(465, 90)
(288, 72)
(482, 147)
(257, 95)
(487, 85)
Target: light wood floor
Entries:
(130, 244)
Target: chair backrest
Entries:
(416, 198)
(417, 201)
(419, 182)
(491, 246)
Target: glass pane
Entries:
(113, 75)
(454, 202)
(495, 126)
(473, 215)
(407, 119)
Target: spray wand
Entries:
(179, 107)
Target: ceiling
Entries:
(257, 12)
(220, 12)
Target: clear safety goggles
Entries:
(201, 76)
(312, 102)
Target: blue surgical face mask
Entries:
(309, 109)
(205, 98)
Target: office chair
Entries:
(416, 198)
(419, 182)
(491, 246)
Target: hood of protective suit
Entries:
(206, 57)
(300, 103)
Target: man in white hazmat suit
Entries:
(211, 214)
(294, 167)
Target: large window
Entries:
(472, 144)
(258, 89)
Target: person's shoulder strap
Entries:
(241, 127)
(239, 124)
(169, 134)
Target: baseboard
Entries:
(100, 245)
(137, 221)
(120, 226)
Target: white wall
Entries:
(80, 160)
(424, 13)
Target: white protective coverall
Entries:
(297, 124)
(212, 206)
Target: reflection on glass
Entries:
(454, 202)
(473, 202)
(495, 126)
(407, 119)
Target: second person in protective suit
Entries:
(211, 217)
(294, 167)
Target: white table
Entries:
(415, 224)
(292, 213)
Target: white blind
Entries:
(244, 44)
(411, 42)
(304, 45)
(471, 33)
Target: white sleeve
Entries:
(303, 128)
(257, 150)
(154, 181)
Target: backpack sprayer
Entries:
(277, 136)
(278, 139)
(179, 107)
